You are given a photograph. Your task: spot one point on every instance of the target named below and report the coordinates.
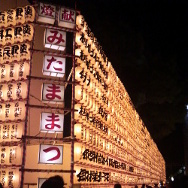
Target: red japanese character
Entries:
(47, 10)
(55, 36)
(53, 89)
(52, 119)
(51, 149)
(68, 16)
(54, 60)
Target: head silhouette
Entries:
(54, 181)
(117, 185)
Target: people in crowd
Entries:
(117, 185)
(54, 181)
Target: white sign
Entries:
(53, 93)
(55, 39)
(51, 154)
(67, 18)
(54, 66)
(52, 122)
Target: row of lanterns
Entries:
(17, 16)
(16, 34)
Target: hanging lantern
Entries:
(18, 34)
(55, 39)
(7, 54)
(78, 72)
(28, 32)
(46, 13)
(15, 53)
(11, 13)
(24, 52)
(1, 56)
(80, 21)
(77, 130)
(20, 16)
(67, 18)
(2, 37)
(9, 35)
(29, 13)
(77, 115)
(3, 19)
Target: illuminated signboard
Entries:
(51, 154)
(46, 13)
(54, 66)
(55, 39)
(53, 93)
(67, 18)
(52, 122)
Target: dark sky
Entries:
(146, 41)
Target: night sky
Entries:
(146, 42)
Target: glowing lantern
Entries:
(78, 71)
(55, 39)
(80, 21)
(29, 12)
(46, 13)
(18, 34)
(28, 32)
(54, 66)
(18, 111)
(53, 93)
(9, 35)
(52, 122)
(51, 154)
(11, 13)
(80, 94)
(67, 18)
(24, 52)
(1, 55)
(77, 130)
(2, 37)
(77, 115)
(20, 16)
(15, 53)
(3, 19)
(7, 54)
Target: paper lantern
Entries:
(53, 93)
(11, 13)
(9, 35)
(2, 37)
(55, 39)
(3, 19)
(20, 15)
(77, 130)
(18, 34)
(7, 54)
(46, 13)
(29, 13)
(24, 52)
(80, 21)
(51, 122)
(80, 94)
(51, 154)
(1, 55)
(67, 18)
(28, 32)
(15, 53)
(54, 66)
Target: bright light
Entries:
(172, 178)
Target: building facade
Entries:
(63, 108)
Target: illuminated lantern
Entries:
(3, 19)
(52, 122)
(77, 111)
(80, 21)
(18, 34)
(20, 90)
(20, 16)
(11, 13)
(15, 53)
(54, 66)
(2, 37)
(67, 18)
(22, 70)
(55, 39)
(9, 35)
(77, 130)
(46, 13)
(78, 72)
(29, 13)
(28, 32)
(24, 52)
(80, 94)
(7, 54)
(19, 111)
(53, 93)
(1, 55)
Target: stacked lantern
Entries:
(114, 145)
(16, 34)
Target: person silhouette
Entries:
(54, 181)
